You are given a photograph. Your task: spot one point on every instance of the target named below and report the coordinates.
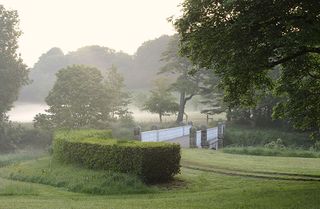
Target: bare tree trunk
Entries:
(182, 105)
(160, 117)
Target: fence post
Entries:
(156, 128)
(137, 133)
(193, 137)
(204, 142)
(221, 128)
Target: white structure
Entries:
(165, 134)
(210, 136)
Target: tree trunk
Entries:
(181, 107)
(160, 117)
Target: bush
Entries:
(153, 162)
(35, 139)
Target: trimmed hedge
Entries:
(153, 162)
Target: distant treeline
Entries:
(138, 70)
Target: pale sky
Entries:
(70, 24)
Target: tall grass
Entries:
(7, 159)
(76, 179)
(13, 189)
(247, 136)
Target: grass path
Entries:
(308, 168)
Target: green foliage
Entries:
(245, 41)
(278, 144)
(118, 96)
(14, 137)
(246, 136)
(13, 73)
(161, 101)
(299, 86)
(73, 178)
(81, 98)
(153, 162)
(272, 149)
(78, 99)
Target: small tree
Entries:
(161, 100)
(119, 97)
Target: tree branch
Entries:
(297, 54)
(188, 98)
(317, 77)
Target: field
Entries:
(209, 179)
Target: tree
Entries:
(42, 76)
(161, 101)
(78, 99)
(245, 40)
(119, 97)
(13, 73)
(186, 84)
(212, 95)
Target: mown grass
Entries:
(76, 179)
(263, 151)
(201, 189)
(250, 163)
(205, 190)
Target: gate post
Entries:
(137, 133)
(221, 127)
(204, 142)
(193, 137)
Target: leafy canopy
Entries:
(243, 40)
(81, 98)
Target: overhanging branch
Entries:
(303, 51)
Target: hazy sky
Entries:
(70, 24)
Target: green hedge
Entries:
(153, 162)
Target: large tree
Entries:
(245, 39)
(187, 79)
(78, 99)
(13, 73)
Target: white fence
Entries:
(212, 133)
(165, 134)
(198, 139)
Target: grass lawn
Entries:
(195, 188)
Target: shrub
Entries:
(278, 144)
(153, 162)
